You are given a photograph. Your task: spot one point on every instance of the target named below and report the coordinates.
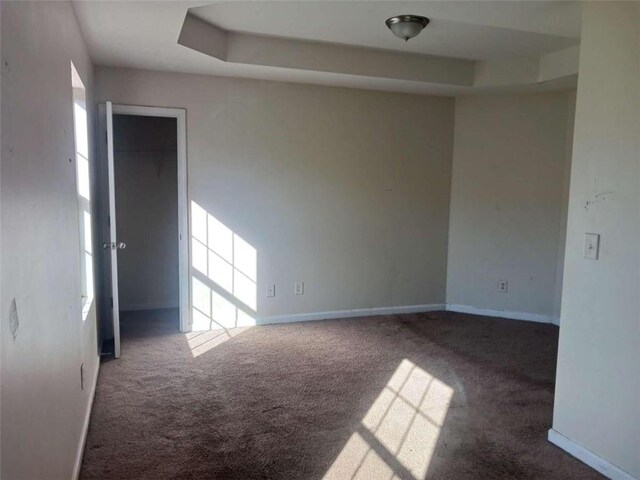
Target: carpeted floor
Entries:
(436, 395)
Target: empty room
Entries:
(320, 240)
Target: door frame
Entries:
(180, 114)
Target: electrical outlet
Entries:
(298, 288)
(271, 290)
(503, 286)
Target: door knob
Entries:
(114, 246)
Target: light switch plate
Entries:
(591, 246)
(271, 290)
(298, 288)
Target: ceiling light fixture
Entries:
(407, 26)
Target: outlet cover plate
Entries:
(271, 290)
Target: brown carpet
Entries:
(436, 395)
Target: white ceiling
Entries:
(144, 34)
(477, 30)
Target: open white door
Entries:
(110, 243)
(109, 301)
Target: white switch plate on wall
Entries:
(591, 246)
(271, 290)
(298, 288)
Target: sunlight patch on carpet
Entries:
(398, 435)
(204, 341)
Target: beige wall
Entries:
(566, 177)
(507, 202)
(146, 173)
(43, 409)
(345, 190)
(597, 402)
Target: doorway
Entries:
(144, 217)
(146, 189)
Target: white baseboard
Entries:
(359, 312)
(530, 317)
(587, 456)
(367, 312)
(85, 425)
(135, 307)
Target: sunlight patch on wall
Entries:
(399, 433)
(223, 256)
(211, 310)
(223, 282)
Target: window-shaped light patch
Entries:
(399, 433)
(199, 255)
(199, 223)
(220, 239)
(202, 342)
(245, 258)
(244, 289)
(201, 297)
(223, 256)
(223, 311)
(228, 267)
(220, 271)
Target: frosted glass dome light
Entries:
(407, 26)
